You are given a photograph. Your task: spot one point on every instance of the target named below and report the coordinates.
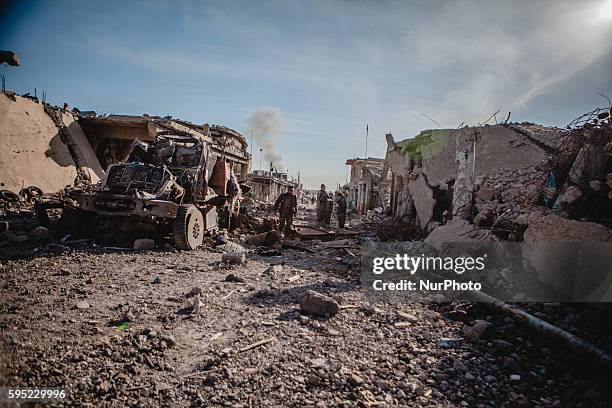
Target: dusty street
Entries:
(117, 328)
(306, 204)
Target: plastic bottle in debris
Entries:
(550, 189)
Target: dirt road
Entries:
(117, 328)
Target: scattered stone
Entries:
(485, 194)
(407, 317)
(503, 347)
(82, 305)
(369, 309)
(40, 232)
(458, 365)
(510, 364)
(318, 304)
(168, 339)
(272, 269)
(233, 257)
(313, 380)
(144, 244)
(197, 305)
(449, 343)
(570, 195)
(476, 330)
(233, 278)
(196, 290)
(355, 380)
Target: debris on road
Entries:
(318, 304)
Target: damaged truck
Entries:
(163, 189)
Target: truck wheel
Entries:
(188, 227)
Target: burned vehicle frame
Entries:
(160, 188)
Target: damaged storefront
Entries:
(363, 189)
(266, 186)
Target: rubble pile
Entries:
(507, 199)
(567, 172)
(146, 324)
(396, 229)
(131, 335)
(18, 220)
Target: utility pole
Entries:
(367, 131)
(260, 156)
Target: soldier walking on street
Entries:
(286, 205)
(329, 207)
(321, 204)
(340, 209)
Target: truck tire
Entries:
(188, 227)
(9, 196)
(31, 192)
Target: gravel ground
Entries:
(117, 328)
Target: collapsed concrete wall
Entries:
(426, 167)
(32, 151)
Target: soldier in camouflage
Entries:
(286, 205)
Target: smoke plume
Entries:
(265, 125)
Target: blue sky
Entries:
(327, 68)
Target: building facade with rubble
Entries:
(51, 147)
(266, 186)
(363, 189)
(439, 174)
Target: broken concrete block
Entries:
(595, 185)
(447, 343)
(553, 228)
(407, 317)
(144, 244)
(318, 304)
(197, 305)
(234, 257)
(233, 278)
(272, 269)
(82, 305)
(196, 290)
(570, 195)
(40, 232)
(476, 330)
(484, 218)
(561, 253)
(264, 239)
(424, 202)
(456, 230)
(486, 194)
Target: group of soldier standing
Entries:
(286, 206)
(325, 206)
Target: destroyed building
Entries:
(119, 177)
(497, 175)
(363, 189)
(266, 186)
(43, 147)
(51, 147)
(112, 135)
